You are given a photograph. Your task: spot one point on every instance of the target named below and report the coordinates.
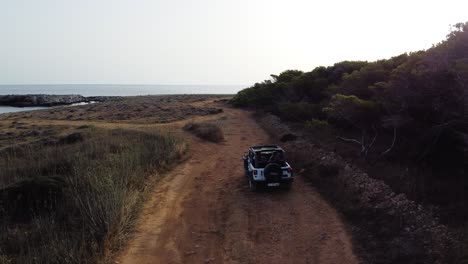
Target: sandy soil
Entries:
(203, 212)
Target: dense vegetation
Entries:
(409, 110)
(72, 199)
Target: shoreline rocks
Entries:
(48, 100)
(28, 100)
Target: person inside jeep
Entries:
(276, 157)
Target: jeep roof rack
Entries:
(266, 147)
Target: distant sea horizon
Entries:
(117, 89)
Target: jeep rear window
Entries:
(262, 158)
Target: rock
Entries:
(208, 260)
(41, 100)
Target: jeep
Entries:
(265, 165)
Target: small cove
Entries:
(11, 109)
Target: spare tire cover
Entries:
(273, 172)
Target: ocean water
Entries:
(10, 109)
(118, 89)
(110, 90)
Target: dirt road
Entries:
(203, 212)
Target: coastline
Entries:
(47, 100)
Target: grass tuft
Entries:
(206, 130)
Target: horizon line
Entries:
(148, 84)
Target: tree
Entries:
(362, 114)
(286, 76)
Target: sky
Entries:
(206, 41)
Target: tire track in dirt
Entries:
(203, 212)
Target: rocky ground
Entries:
(151, 109)
(22, 127)
(388, 226)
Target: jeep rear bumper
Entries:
(283, 180)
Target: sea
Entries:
(111, 90)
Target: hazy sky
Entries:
(206, 41)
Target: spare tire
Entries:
(273, 172)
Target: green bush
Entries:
(298, 111)
(353, 110)
(287, 76)
(317, 124)
(413, 93)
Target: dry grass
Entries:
(71, 185)
(206, 130)
(69, 201)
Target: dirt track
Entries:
(203, 212)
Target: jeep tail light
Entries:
(255, 172)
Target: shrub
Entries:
(287, 76)
(298, 111)
(317, 124)
(206, 130)
(354, 111)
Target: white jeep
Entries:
(265, 165)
